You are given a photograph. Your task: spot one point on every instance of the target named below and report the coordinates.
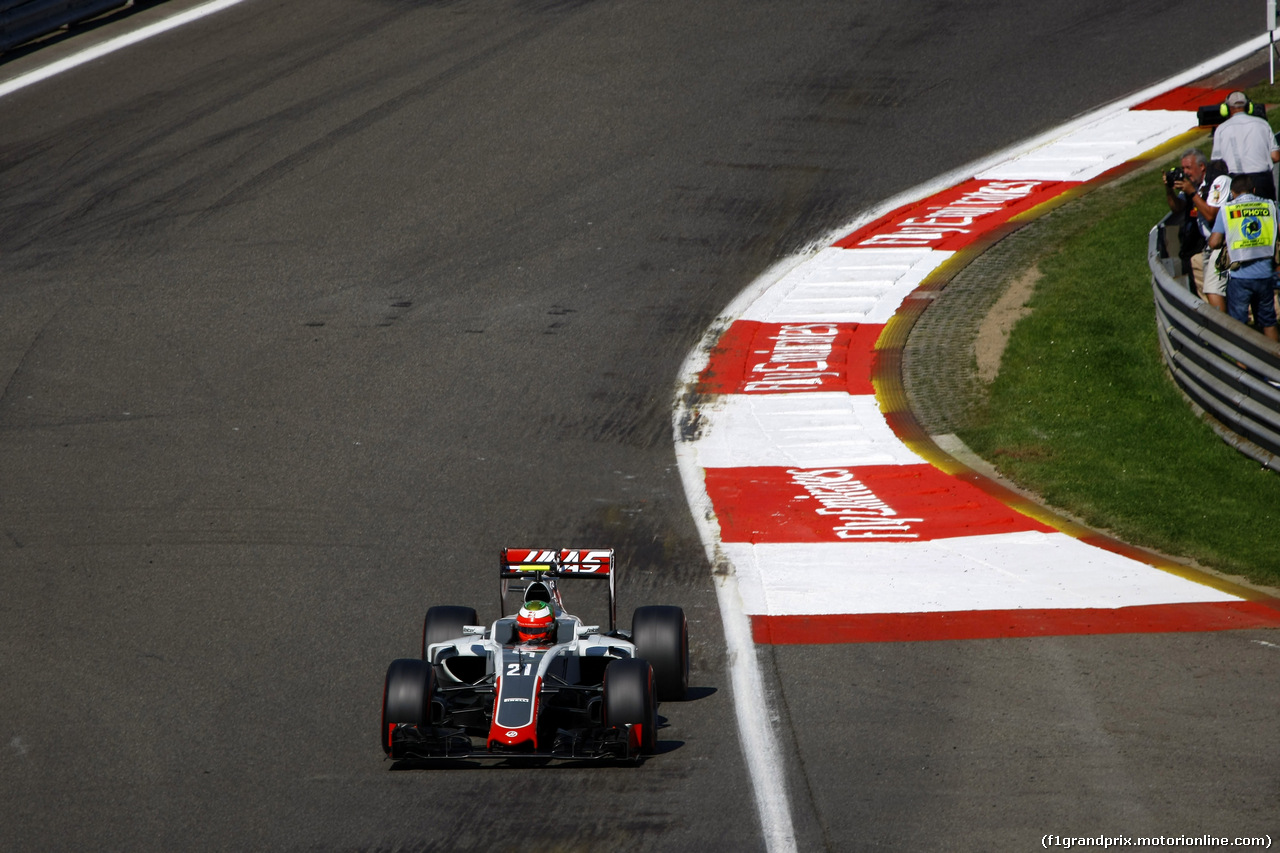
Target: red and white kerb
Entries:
(837, 531)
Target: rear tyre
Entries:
(661, 635)
(629, 699)
(445, 623)
(406, 697)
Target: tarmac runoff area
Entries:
(837, 519)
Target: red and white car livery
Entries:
(581, 693)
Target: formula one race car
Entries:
(539, 684)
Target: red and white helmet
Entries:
(536, 622)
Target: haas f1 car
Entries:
(538, 683)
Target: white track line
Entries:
(112, 45)
(755, 721)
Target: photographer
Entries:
(1246, 225)
(1197, 190)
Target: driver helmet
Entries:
(536, 622)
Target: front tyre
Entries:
(661, 636)
(406, 697)
(629, 699)
(445, 623)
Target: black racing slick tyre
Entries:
(445, 623)
(629, 699)
(406, 697)
(661, 635)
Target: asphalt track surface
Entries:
(308, 308)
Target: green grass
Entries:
(1084, 414)
(1265, 93)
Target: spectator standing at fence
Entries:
(1247, 226)
(1248, 145)
(1202, 190)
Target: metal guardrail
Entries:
(1227, 369)
(24, 20)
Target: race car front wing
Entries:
(430, 742)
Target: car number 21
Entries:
(514, 669)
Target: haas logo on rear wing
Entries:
(564, 562)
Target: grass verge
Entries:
(1084, 414)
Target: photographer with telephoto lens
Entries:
(1197, 189)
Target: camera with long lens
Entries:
(1174, 175)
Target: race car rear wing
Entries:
(535, 562)
(550, 565)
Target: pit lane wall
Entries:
(1225, 368)
(24, 20)
(816, 490)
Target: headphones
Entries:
(1224, 110)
